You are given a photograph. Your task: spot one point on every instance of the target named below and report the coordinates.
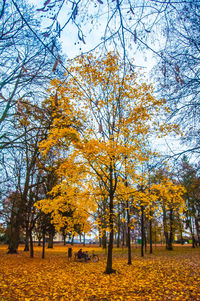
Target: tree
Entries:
(25, 68)
(13, 227)
(189, 178)
(104, 115)
(168, 29)
(26, 182)
(179, 69)
(171, 205)
(139, 25)
(27, 170)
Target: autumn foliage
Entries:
(103, 117)
(163, 276)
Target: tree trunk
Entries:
(64, 239)
(100, 240)
(104, 226)
(192, 232)
(166, 239)
(118, 237)
(166, 234)
(145, 240)
(118, 227)
(51, 236)
(39, 241)
(50, 241)
(197, 229)
(124, 239)
(13, 239)
(31, 244)
(14, 229)
(123, 234)
(170, 239)
(142, 231)
(109, 268)
(150, 236)
(128, 234)
(104, 240)
(26, 247)
(193, 241)
(43, 243)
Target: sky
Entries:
(72, 47)
(93, 35)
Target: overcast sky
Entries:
(72, 47)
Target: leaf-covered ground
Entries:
(164, 275)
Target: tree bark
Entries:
(64, 239)
(13, 233)
(142, 231)
(109, 268)
(31, 244)
(192, 232)
(104, 240)
(14, 225)
(170, 237)
(150, 236)
(50, 241)
(123, 235)
(26, 247)
(118, 227)
(100, 241)
(13, 241)
(145, 240)
(166, 234)
(43, 243)
(128, 234)
(197, 229)
(118, 236)
(51, 236)
(39, 241)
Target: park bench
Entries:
(93, 257)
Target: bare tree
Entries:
(179, 75)
(26, 67)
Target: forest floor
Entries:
(172, 275)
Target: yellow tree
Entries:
(63, 202)
(171, 204)
(103, 117)
(68, 201)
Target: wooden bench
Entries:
(93, 258)
(78, 259)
